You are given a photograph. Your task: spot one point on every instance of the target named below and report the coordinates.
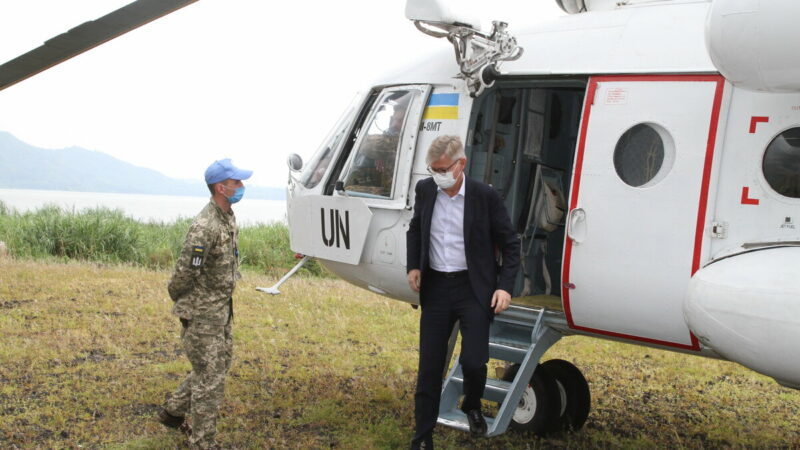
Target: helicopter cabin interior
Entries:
(521, 140)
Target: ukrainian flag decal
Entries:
(442, 106)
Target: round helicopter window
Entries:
(643, 155)
(782, 163)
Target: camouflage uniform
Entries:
(201, 286)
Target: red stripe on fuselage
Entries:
(576, 183)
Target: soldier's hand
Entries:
(500, 301)
(414, 277)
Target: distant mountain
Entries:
(23, 166)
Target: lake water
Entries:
(161, 208)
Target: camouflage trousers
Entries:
(210, 350)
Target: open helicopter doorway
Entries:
(521, 140)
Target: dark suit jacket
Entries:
(486, 225)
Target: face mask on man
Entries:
(444, 180)
(237, 194)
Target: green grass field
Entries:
(89, 350)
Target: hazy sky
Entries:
(253, 80)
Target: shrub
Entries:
(95, 234)
(107, 235)
(267, 248)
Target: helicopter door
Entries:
(371, 182)
(637, 207)
(379, 167)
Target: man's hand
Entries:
(413, 279)
(500, 301)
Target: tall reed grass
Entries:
(108, 236)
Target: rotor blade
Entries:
(85, 37)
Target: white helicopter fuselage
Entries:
(668, 128)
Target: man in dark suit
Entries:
(458, 223)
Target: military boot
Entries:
(168, 420)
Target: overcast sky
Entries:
(253, 80)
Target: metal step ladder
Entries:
(518, 335)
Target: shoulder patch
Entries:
(198, 255)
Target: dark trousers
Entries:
(444, 301)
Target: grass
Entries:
(108, 236)
(89, 350)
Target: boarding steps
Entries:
(517, 335)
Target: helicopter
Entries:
(648, 152)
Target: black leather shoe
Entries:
(477, 424)
(422, 444)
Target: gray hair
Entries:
(449, 146)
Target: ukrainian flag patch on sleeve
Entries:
(442, 106)
(198, 254)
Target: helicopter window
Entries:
(372, 170)
(782, 163)
(316, 168)
(641, 157)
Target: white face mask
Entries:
(444, 180)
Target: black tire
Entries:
(574, 389)
(538, 410)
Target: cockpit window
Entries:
(318, 166)
(782, 163)
(372, 169)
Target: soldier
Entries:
(201, 287)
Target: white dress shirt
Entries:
(447, 232)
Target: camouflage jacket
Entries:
(207, 269)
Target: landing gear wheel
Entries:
(574, 391)
(540, 405)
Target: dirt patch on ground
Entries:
(13, 304)
(94, 355)
(141, 410)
